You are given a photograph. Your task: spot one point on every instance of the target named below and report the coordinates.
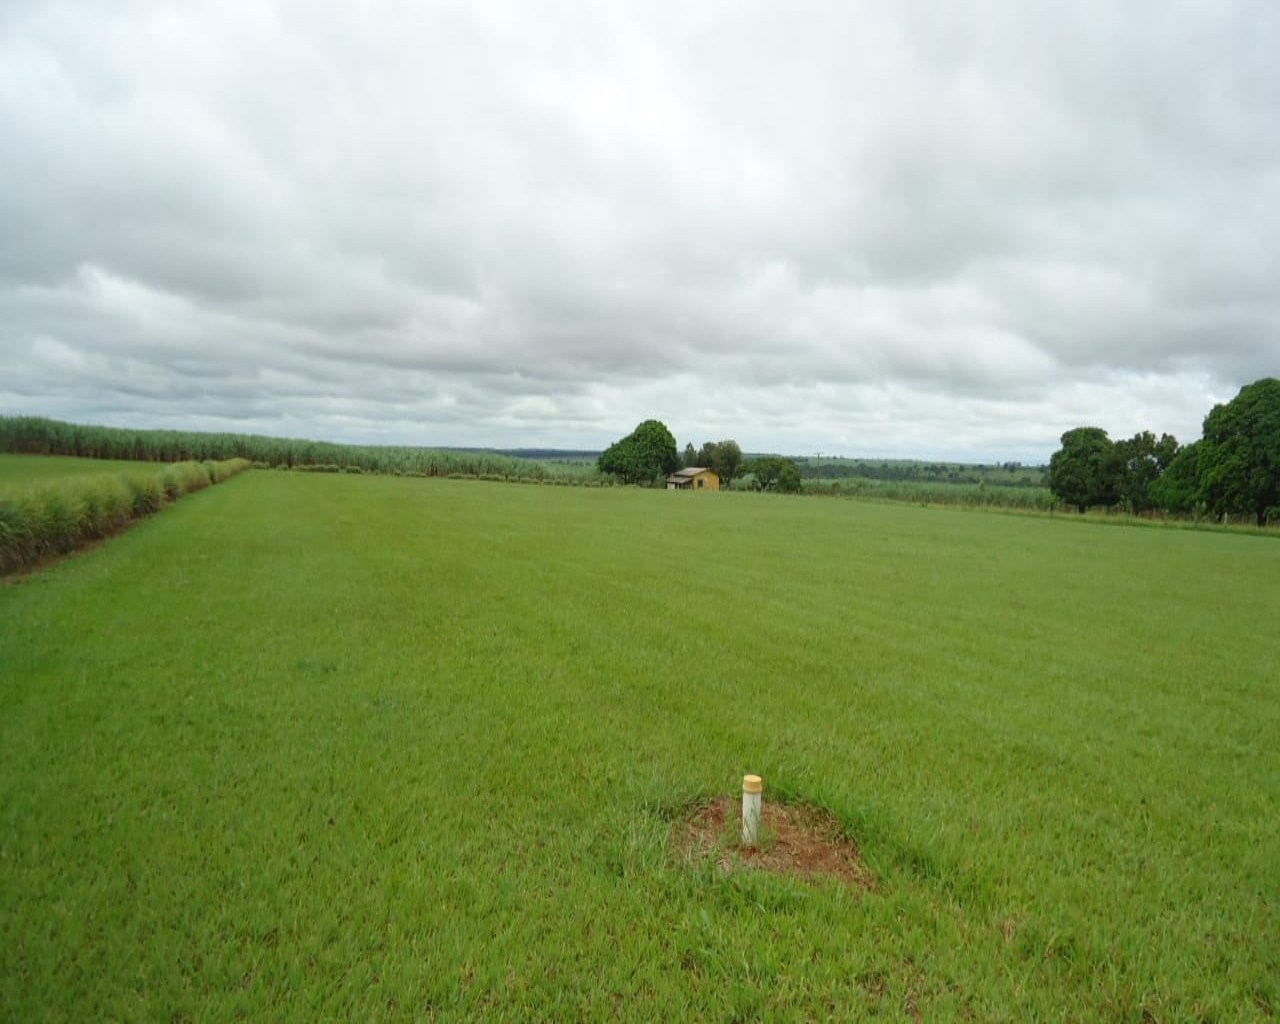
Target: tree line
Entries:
(1233, 469)
(648, 455)
(1008, 474)
(40, 436)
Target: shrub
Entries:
(108, 506)
(146, 495)
(183, 478)
(14, 536)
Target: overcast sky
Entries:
(934, 229)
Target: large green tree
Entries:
(773, 473)
(645, 454)
(1138, 462)
(788, 477)
(1178, 488)
(1083, 471)
(1239, 457)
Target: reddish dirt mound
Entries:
(795, 840)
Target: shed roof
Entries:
(692, 471)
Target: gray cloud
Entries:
(884, 228)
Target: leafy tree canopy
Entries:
(1239, 457)
(645, 454)
(788, 477)
(771, 473)
(1082, 471)
(1177, 489)
(1138, 463)
(724, 458)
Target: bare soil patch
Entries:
(795, 840)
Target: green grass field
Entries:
(307, 747)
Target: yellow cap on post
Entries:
(752, 784)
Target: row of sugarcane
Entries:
(41, 521)
(40, 436)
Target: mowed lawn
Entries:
(308, 747)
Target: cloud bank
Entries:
(884, 228)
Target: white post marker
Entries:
(751, 787)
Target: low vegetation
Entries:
(63, 510)
(359, 747)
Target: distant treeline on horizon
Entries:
(1009, 474)
(39, 435)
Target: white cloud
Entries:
(884, 228)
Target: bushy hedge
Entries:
(44, 521)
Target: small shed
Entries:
(695, 478)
